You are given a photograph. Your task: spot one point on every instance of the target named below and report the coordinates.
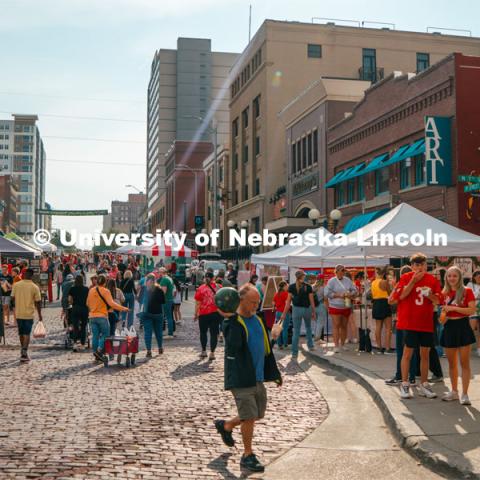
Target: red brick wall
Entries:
(467, 70)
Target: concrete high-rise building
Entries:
(186, 85)
(23, 156)
(280, 62)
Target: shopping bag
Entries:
(39, 331)
(277, 330)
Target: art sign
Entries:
(438, 150)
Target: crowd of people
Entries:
(105, 293)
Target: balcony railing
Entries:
(371, 74)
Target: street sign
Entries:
(471, 188)
(468, 178)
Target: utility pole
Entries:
(250, 23)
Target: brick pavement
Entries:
(64, 417)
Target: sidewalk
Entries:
(444, 435)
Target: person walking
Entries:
(318, 288)
(151, 315)
(457, 336)
(224, 282)
(381, 310)
(6, 283)
(99, 301)
(118, 297)
(279, 302)
(475, 318)
(79, 313)
(166, 284)
(129, 291)
(340, 291)
(206, 313)
(300, 299)
(27, 298)
(249, 362)
(418, 293)
(177, 302)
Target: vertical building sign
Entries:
(438, 150)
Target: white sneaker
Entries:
(450, 396)
(405, 391)
(425, 390)
(465, 400)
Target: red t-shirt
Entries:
(206, 297)
(467, 298)
(280, 299)
(416, 311)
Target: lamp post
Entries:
(314, 215)
(231, 224)
(333, 219)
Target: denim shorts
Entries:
(24, 326)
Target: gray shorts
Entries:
(6, 300)
(251, 401)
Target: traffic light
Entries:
(199, 223)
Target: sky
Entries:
(91, 58)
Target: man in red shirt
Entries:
(418, 293)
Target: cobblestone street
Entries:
(65, 417)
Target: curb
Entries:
(422, 448)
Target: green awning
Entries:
(361, 220)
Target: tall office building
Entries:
(23, 156)
(186, 85)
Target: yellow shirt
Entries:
(377, 291)
(26, 293)
(97, 306)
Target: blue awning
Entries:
(407, 151)
(361, 220)
(339, 177)
(377, 163)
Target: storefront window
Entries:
(350, 191)
(381, 181)
(361, 189)
(405, 174)
(419, 169)
(340, 194)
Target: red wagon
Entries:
(121, 346)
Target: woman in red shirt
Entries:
(457, 336)
(206, 313)
(279, 301)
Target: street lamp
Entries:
(333, 219)
(136, 188)
(314, 215)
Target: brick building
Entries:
(126, 217)
(8, 204)
(407, 141)
(185, 184)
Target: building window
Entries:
(256, 225)
(314, 50)
(339, 193)
(245, 192)
(304, 152)
(315, 146)
(235, 160)
(310, 153)
(419, 169)
(209, 213)
(245, 153)
(405, 175)
(257, 186)
(350, 191)
(209, 182)
(361, 189)
(235, 128)
(369, 65)
(245, 118)
(235, 197)
(220, 174)
(294, 158)
(256, 106)
(381, 181)
(423, 61)
(257, 145)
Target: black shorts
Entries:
(381, 309)
(24, 326)
(414, 339)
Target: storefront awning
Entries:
(361, 220)
(378, 162)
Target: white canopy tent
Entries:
(128, 249)
(405, 219)
(279, 255)
(313, 256)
